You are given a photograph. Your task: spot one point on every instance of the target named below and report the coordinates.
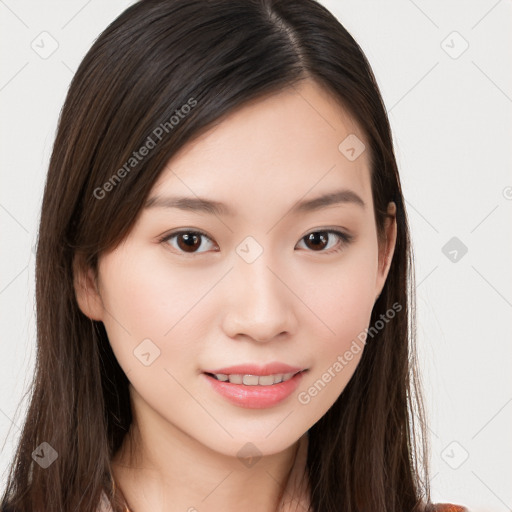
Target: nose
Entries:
(260, 305)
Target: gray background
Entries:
(449, 108)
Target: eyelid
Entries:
(342, 232)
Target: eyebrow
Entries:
(209, 206)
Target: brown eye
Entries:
(317, 241)
(187, 241)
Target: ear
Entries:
(386, 248)
(86, 289)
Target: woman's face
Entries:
(256, 288)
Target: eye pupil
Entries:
(190, 241)
(315, 237)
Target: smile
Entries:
(254, 391)
(254, 380)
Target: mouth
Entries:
(258, 390)
(254, 380)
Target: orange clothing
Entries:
(448, 507)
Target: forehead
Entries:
(271, 150)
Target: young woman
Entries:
(225, 309)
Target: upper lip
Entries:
(254, 369)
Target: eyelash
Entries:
(345, 239)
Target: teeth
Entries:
(255, 380)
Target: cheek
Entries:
(342, 300)
(342, 295)
(145, 300)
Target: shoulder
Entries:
(448, 507)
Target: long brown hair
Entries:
(368, 452)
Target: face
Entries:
(269, 276)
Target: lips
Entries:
(254, 375)
(254, 396)
(250, 385)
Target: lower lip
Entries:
(255, 397)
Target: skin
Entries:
(296, 303)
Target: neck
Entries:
(154, 474)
